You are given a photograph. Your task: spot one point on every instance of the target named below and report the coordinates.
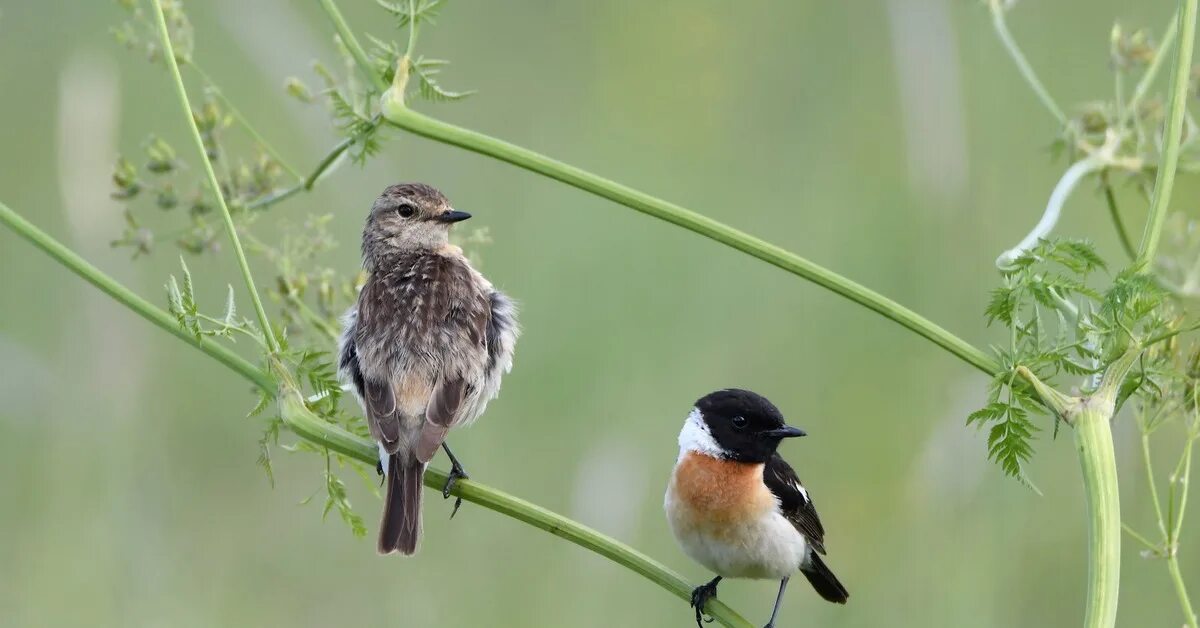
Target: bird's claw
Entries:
(452, 478)
(700, 597)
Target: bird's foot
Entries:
(700, 597)
(452, 478)
(379, 472)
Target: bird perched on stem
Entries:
(424, 347)
(735, 505)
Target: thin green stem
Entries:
(315, 319)
(412, 29)
(1151, 73)
(1185, 602)
(1176, 109)
(997, 9)
(1147, 460)
(1181, 480)
(425, 126)
(126, 297)
(309, 182)
(275, 197)
(330, 436)
(352, 45)
(230, 228)
(224, 326)
(1150, 545)
(237, 115)
(1114, 212)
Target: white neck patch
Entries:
(695, 437)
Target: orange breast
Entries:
(719, 494)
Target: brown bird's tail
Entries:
(401, 525)
(823, 580)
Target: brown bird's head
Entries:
(408, 217)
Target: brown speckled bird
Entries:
(424, 347)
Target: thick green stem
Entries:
(172, 65)
(1177, 108)
(126, 297)
(425, 126)
(311, 428)
(1093, 442)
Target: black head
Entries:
(409, 216)
(744, 426)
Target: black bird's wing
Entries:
(794, 502)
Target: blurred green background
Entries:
(892, 141)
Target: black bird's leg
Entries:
(700, 596)
(778, 601)
(457, 472)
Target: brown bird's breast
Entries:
(717, 496)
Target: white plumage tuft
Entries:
(695, 437)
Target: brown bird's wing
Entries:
(794, 503)
(378, 396)
(467, 326)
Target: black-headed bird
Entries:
(424, 347)
(735, 505)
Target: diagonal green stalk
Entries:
(425, 126)
(172, 65)
(126, 297)
(337, 439)
(1176, 110)
(395, 113)
(306, 184)
(323, 434)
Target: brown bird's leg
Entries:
(700, 596)
(457, 472)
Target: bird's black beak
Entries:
(452, 216)
(786, 431)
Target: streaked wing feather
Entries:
(380, 400)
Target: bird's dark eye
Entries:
(406, 210)
(739, 422)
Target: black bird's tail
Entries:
(823, 580)
(401, 525)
